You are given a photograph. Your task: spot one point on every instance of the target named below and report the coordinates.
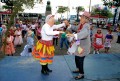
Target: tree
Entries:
(62, 9)
(110, 4)
(102, 12)
(79, 9)
(16, 6)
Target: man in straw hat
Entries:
(44, 49)
(83, 36)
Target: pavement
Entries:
(97, 67)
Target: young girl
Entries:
(30, 42)
(98, 41)
(9, 48)
(18, 37)
(108, 40)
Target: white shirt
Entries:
(47, 32)
(24, 27)
(33, 26)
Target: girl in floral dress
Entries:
(108, 40)
(98, 41)
(9, 49)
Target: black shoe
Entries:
(49, 70)
(79, 77)
(44, 72)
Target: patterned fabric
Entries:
(9, 48)
(30, 43)
(108, 40)
(98, 41)
(44, 51)
(18, 38)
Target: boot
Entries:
(48, 68)
(44, 71)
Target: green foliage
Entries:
(62, 9)
(102, 12)
(6, 7)
(80, 8)
(110, 3)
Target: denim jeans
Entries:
(65, 41)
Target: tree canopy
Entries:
(110, 3)
(102, 12)
(62, 9)
(80, 8)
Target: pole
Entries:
(68, 8)
(114, 19)
(90, 6)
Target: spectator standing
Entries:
(118, 34)
(33, 27)
(9, 48)
(108, 40)
(18, 37)
(98, 41)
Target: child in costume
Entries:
(18, 37)
(108, 40)
(30, 43)
(9, 47)
(98, 41)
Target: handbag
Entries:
(72, 49)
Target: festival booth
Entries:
(99, 19)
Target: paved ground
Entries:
(100, 67)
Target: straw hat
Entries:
(86, 14)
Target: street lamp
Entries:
(90, 6)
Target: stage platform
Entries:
(17, 68)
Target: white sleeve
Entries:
(58, 26)
(50, 32)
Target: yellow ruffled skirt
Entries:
(44, 51)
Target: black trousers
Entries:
(23, 33)
(55, 41)
(79, 63)
(118, 39)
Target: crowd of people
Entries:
(78, 40)
(14, 37)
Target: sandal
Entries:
(79, 77)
